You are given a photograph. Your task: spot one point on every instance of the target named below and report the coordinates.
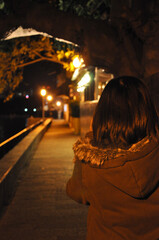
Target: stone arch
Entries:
(20, 32)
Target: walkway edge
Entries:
(16, 159)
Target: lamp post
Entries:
(49, 98)
(43, 94)
(59, 108)
(58, 103)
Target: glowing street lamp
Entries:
(43, 94)
(59, 108)
(58, 103)
(49, 98)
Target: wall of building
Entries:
(86, 114)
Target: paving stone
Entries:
(40, 208)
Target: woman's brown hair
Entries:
(125, 113)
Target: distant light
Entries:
(43, 92)
(75, 74)
(27, 96)
(49, 98)
(77, 62)
(80, 89)
(25, 109)
(65, 108)
(58, 103)
(34, 109)
(84, 80)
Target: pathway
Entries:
(40, 209)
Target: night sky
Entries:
(40, 74)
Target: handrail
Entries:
(6, 145)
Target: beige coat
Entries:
(120, 187)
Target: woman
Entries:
(116, 168)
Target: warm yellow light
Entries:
(84, 80)
(58, 103)
(49, 98)
(77, 62)
(75, 74)
(80, 89)
(43, 92)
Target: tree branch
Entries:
(39, 60)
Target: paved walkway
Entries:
(40, 209)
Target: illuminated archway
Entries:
(21, 53)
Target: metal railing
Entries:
(9, 143)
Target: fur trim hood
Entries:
(85, 150)
(133, 171)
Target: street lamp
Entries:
(59, 109)
(49, 98)
(58, 103)
(43, 94)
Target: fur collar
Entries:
(86, 151)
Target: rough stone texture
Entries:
(40, 208)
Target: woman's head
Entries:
(125, 113)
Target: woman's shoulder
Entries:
(87, 151)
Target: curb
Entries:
(16, 159)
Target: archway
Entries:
(50, 63)
(25, 50)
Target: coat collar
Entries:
(104, 157)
